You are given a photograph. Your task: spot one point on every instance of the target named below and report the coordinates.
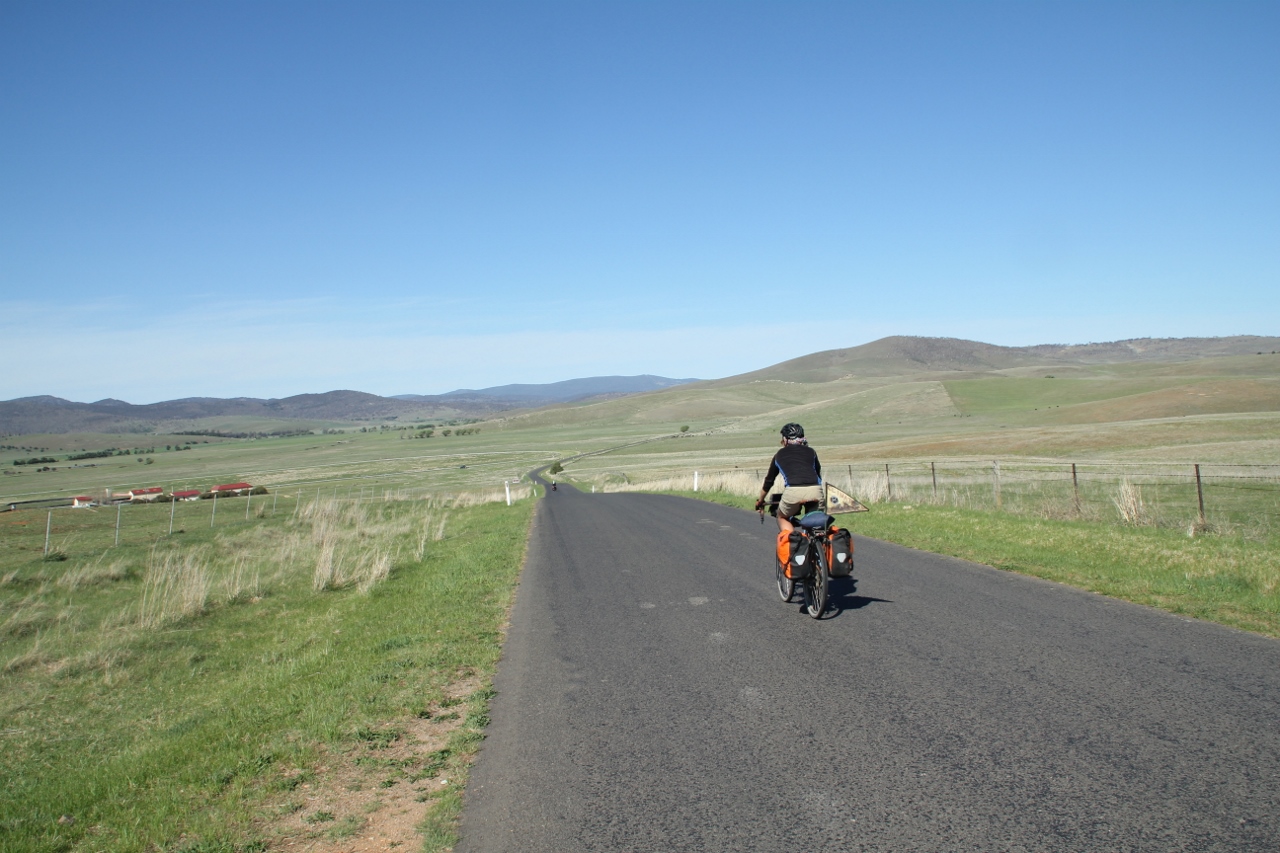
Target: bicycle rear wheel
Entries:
(815, 588)
(786, 586)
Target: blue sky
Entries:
(272, 198)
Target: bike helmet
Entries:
(791, 431)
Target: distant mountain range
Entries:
(568, 391)
(45, 414)
(893, 356)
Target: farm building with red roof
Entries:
(231, 487)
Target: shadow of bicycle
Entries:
(842, 595)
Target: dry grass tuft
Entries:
(871, 488)
(176, 586)
(1128, 501)
(30, 659)
(26, 621)
(93, 573)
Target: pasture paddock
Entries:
(196, 691)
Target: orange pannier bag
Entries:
(839, 552)
(789, 544)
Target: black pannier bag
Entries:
(798, 567)
(840, 553)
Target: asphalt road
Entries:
(656, 695)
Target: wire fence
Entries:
(54, 531)
(1197, 497)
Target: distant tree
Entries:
(684, 428)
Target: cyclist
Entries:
(801, 475)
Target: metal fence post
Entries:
(1075, 487)
(214, 514)
(118, 506)
(48, 526)
(173, 504)
(933, 469)
(888, 482)
(995, 473)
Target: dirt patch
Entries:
(373, 796)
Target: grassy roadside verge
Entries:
(1227, 579)
(284, 685)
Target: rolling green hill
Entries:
(922, 397)
(1221, 408)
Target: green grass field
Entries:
(263, 684)
(295, 669)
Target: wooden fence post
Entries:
(933, 469)
(1075, 487)
(1200, 494)
(118, 506)
(995, 472)
(888, 481)
(214, 514)
(173, 504)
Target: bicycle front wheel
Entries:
(815, 589)
(786, 586)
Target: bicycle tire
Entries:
(786, 586)
(815, 589)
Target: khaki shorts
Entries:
(793, 497)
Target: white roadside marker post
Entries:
(118, 506)
(695, 481)
(506, 484)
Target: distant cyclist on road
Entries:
(801, 475)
